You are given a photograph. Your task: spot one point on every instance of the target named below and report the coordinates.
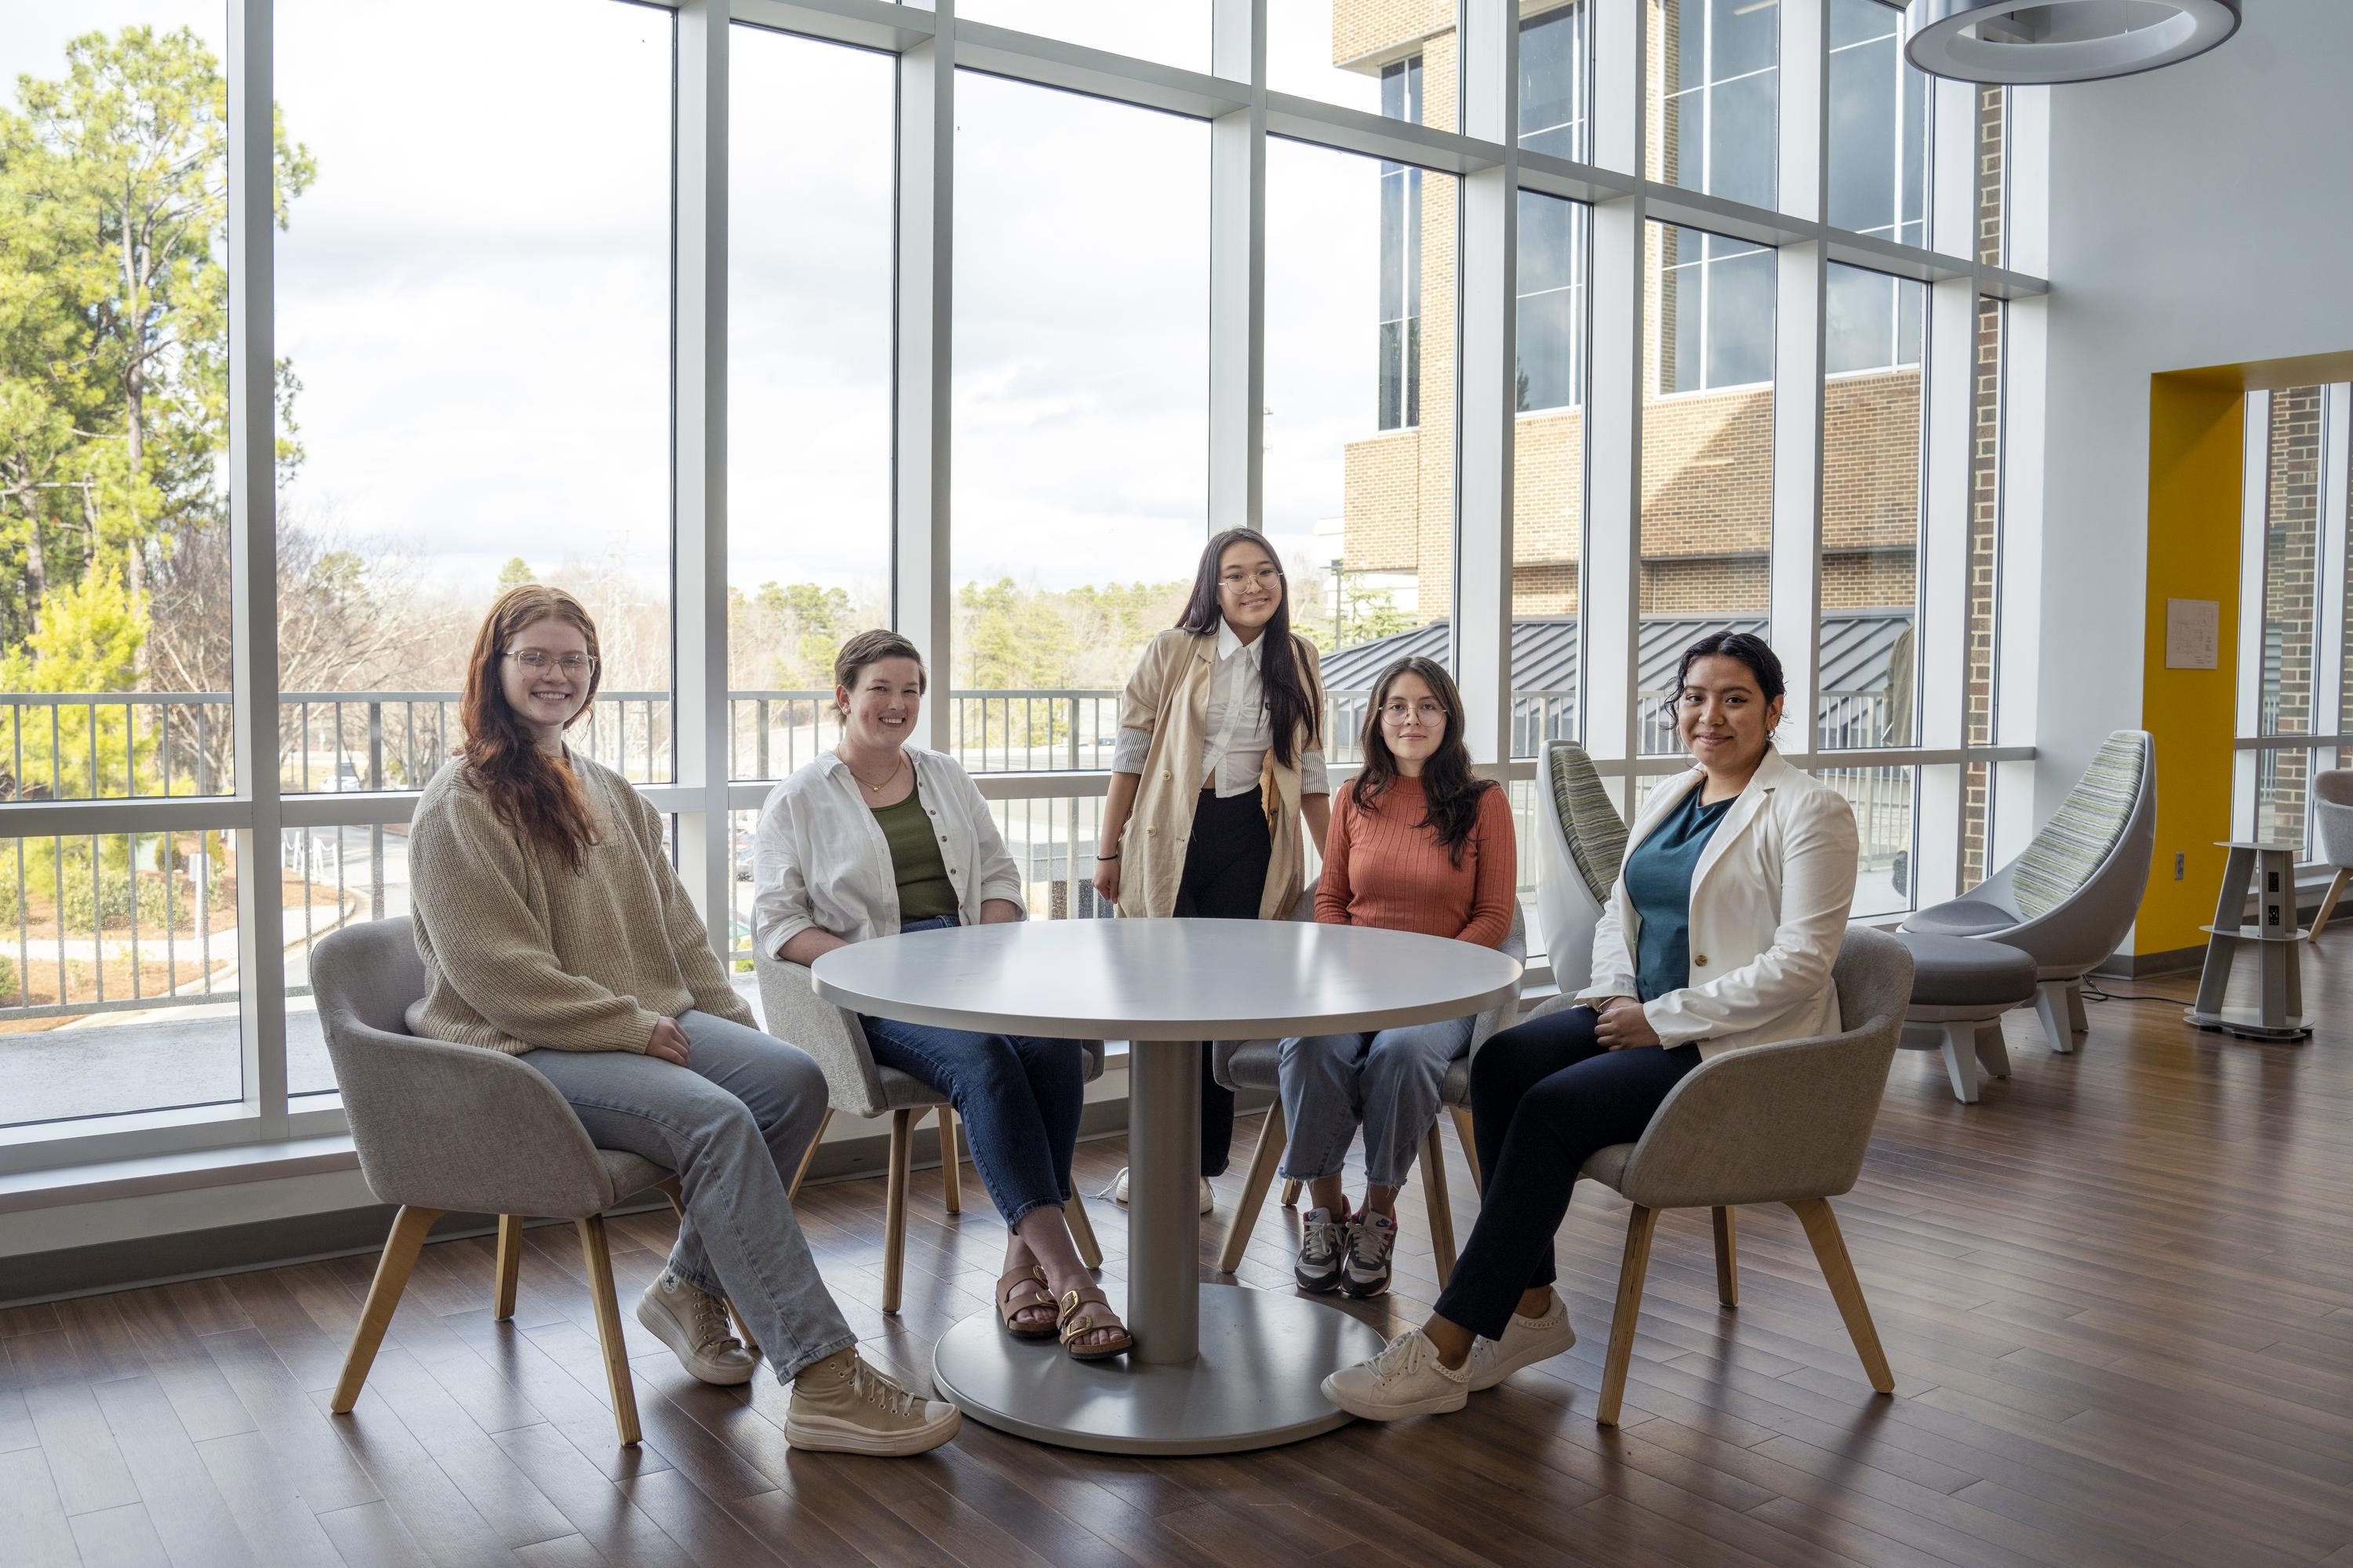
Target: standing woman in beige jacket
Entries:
(1220, 754)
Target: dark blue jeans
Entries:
(1020, 1097)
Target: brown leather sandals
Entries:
(1076, 1321)
(1017, 1291)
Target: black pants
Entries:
(1225, 879)
(1545, 1098)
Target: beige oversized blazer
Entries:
(1152, 852)
(1769, 900)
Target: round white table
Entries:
(1216, 1369)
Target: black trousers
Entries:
(1225, 879)
(1545, 1098)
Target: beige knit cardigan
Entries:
(522, 952)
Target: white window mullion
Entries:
(253, 558)
(699, 461)
(2328, 598)
(1948, 380)
(1485, 416)
(1237, 273)
(921, 597)
(2254, 529)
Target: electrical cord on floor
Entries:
(2091, 993)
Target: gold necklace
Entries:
(875, 788)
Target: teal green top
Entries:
(1657, 884)
(925, 891)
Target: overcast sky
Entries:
(475, 292)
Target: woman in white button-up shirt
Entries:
(1221, 755)
(877, 837)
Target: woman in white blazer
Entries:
(1721, 933)
(877, 837)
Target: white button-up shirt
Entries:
(1239, 732)
(820, 859)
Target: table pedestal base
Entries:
(1256, 1383)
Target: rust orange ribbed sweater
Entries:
(1380, 869)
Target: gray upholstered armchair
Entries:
(856, 1083)
(1256, 1064)
(2332, 836)
(1585, 842)
(442, 1128)
(2070, 898)
(1785, 1123)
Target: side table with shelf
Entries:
(2269, 868)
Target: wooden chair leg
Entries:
(599, 1259)
(1441, 1209)
(392, 1271)
(894, 1206)
(800, 1170)
(1291, 1194)
(1639, 1226)
(1727, 1259)
(669, 1188)
(2328, 903)
(1830, 1251)
(951, 1162)
(1271, 1136)
(509, 1265)
(1470, 1142)
(1082, 1232)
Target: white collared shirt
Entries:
(1237, 724)
(820, 859)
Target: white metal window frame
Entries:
(930, 46)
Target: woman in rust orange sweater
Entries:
(1419, 842)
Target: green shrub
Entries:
(11, 905)
(8, 996)
(111, 902)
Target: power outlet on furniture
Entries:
(2179, 862)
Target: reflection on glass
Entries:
(1081, 412)
(1707, 456)
(1549, 462)
(1870, 523)
(527, 242)
(1360, 505)
(1719, 80)
(1347, 52)
(1878, 151)
(810, 382)
(1555, 61)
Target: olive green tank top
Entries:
(925, 891)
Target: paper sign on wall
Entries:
(2194, 633)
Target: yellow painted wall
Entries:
(2196, 450)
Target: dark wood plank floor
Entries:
(2118, 1294)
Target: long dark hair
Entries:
(528, 790)
(1747, 648)
(1449, 789)
(1292, 708)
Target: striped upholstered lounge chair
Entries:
(1585, 840)
(2070, 897)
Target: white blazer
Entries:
(1770, 901)
(819, 858)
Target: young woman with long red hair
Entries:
(554, 929)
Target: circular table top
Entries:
(1164, 980)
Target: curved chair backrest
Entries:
(2079, 883)
(1585, 842)
(436, 1124)
(2332, 816)
(793, 1011)
(1769, 1124)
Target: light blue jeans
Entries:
(1389, 1084)
(733, 1123)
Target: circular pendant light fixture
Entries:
(2026, 42)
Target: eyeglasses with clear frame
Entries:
(1430, 710)
(572, 666)
(1265, 577)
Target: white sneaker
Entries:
(1119, 1191)
(1525, 1341)
(841, 1406)
(1406, 1379)
(693, 1323)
